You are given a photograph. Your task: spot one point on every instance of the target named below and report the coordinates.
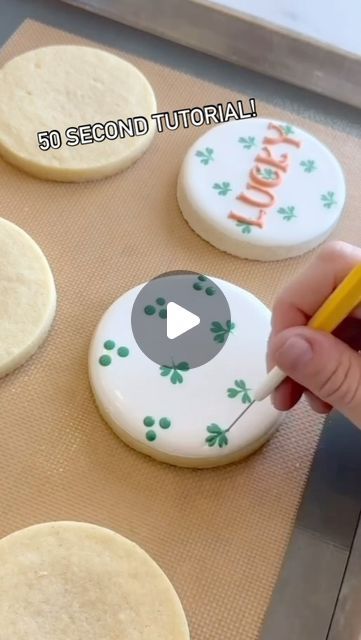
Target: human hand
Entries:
(325, 367)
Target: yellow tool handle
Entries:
(340, 304)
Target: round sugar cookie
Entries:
(61, 87)
(27, 295)
(71, 581)
(261, 189)
(179, 414)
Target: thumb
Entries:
(324, 365)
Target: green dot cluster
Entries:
(109, 345)
(199, 286)
(151, 310)
(149, 421)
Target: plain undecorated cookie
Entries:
(261, 189)
(27, 297)
(57, 87)
(76, 581)
(179, 414)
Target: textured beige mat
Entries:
(220, 535)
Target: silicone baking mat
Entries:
(219, 534)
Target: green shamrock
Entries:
(246, 228)
(240, 388)
(223, 188)
(221, 332)
(288, 213)
(216, 436)
(328, 199)
(173, 371)
(287, 130)
(268, 174)
(248, 143)
(206, 155)
(308, 166)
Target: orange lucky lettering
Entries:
(260, 183)
(281, 163)
(281, 137)
(248, 199)
(255, 222)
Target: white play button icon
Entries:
(179, 320)
(181, 317)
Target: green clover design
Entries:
(288, 213)
(217, 436)
(268, 174)
(223, 188)
(248, 143)
(328, 199)
(206, 156)
(246, 228)
(240, 388)
(173, 371)
(308, 166)
(222, 332)
(287, 129)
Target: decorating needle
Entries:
(344, 299)
(241, 414)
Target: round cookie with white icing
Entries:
(261, 189)
(27, 297)
(179, 414)
(71, 581)
(86, 104)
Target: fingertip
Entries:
(286, 395)
(318, 405)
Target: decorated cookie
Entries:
(72, 581)
(27, 297)
(72, 113)
(175, 412)
(261, 189)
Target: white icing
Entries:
(305, 186)
(131, 388)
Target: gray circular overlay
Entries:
(194, 292)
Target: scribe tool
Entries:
(344, 299)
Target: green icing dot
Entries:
(105, 361)
(164, 423)
(163, 313)
(149, 310)
(148, 421)
(123, 352)
(197, 286)
(210, 291)
(151, 435)
(160, 301)
(109, 345)
(202, 278)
